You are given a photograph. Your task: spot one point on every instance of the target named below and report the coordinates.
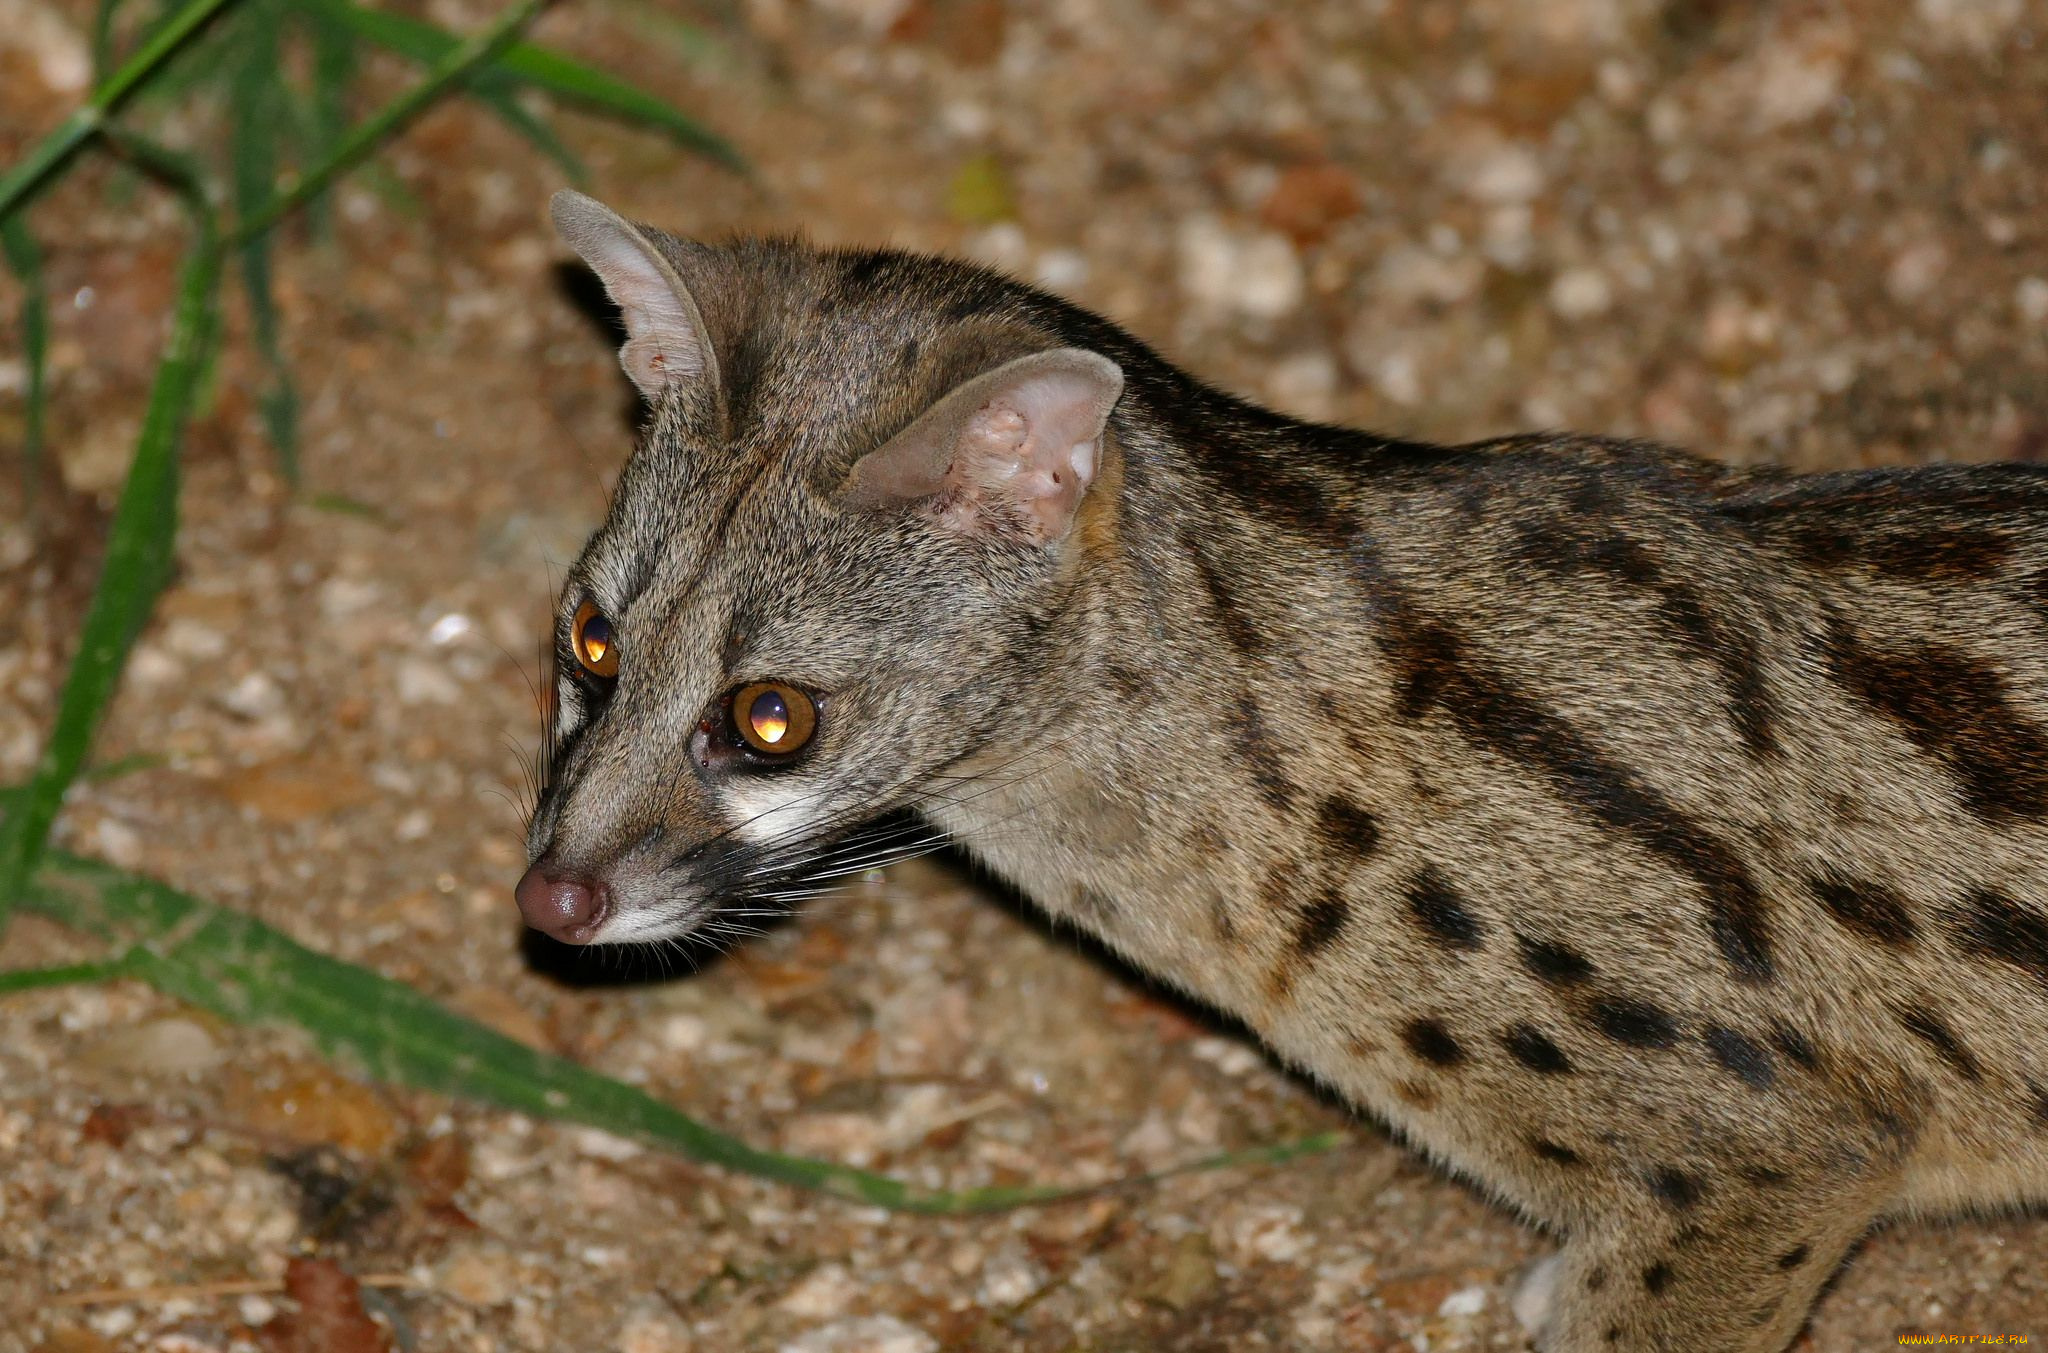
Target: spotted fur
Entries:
(1663, 847)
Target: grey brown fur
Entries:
(1661, 846)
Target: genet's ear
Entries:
(1007, 454)
(666, 341)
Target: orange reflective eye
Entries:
(773, 717)
(590, 638)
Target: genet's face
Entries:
(744, 675)
(824, 576)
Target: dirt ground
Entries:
(1811, 232)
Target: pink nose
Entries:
(562, 907)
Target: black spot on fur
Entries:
(1656, 1278)
(1868, 909)
(1764, 1177)
(1675, 1188)
(1239, 629)
(1434, 669)
(1429, 1040)
(1347, 828)
(1596, 1278)
(1321, 922)
(1612, 1336)
(1552, 1152)
(1636, 1023)
(1559, 964)
(1532, 1048)
(1441, 912)
(1796, 1046)
(1929, 1028)
(1993, 925)
(1261, 758)
(1741, 1055)
(1954, 708)
(1794, 1257)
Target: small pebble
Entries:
(651, 1329)
(478, 1275)
(172, 1046)
(826, 1291)
(868, 1334)
(2030, 298)
(1580, 293)
(1223, 270)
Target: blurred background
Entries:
(1809, 232)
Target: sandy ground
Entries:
(1801, 232)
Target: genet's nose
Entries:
(561, 906)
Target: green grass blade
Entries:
(547, 69)
(242, 970)
(544, 68)
(451, 69)
(334, 69)
(505, 103)
(25, 261)
(257, 116)
(424, 42)
(131, 764)
(103, 38)
(67, 975)
(341, 504)
(137, 565)
(76, 130)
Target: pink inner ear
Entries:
(1008, 453)
(1032, 449)
(666, 340)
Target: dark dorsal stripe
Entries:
(1434, 669)
(1954, 708)
(1681, 610)
(1947, 554)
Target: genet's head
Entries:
(826, 571)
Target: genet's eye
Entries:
(590, 638)
(773, 717)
